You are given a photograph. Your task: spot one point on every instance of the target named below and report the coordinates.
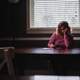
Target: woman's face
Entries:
(63, 30)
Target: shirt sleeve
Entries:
(52, 38)
(69, 39)
(71, 42)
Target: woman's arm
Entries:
(51, 45)
(52, 41)
(66, 40)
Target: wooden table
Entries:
(61, 62)
(47, 51)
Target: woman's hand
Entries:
(50, 45)
(65, 31)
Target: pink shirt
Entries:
(59, 41)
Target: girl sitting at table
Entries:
(62, 38)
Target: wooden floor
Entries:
(36, 75)
(4, 76)
(42, 77)
(28, 76)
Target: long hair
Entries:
(63, 24)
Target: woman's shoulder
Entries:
(55, 33)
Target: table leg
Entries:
(8, 53)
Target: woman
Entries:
(62, 38)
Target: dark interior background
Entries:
(13, 18)
(13, 32)
(13, 26)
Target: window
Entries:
(46, 14)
